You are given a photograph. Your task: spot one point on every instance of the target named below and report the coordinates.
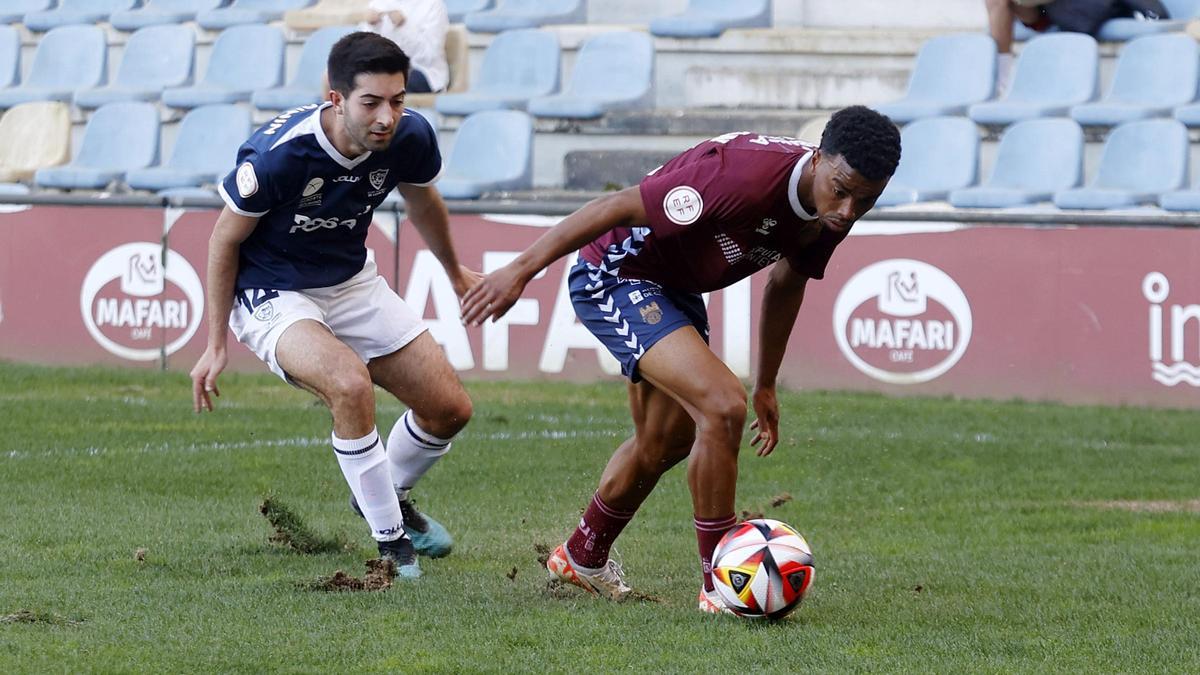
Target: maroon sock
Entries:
(708, 534)
(597, 530)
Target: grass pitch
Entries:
(949, 536)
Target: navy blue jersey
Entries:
(314, 205)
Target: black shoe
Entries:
(401, 552)
(428, 535)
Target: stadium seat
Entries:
(1053, 73)
(1140, 161)
(1123, 28)
(247, 12)
(158, 12)
(493, 151)
(457, 9)
(614, 70)
(512, 14)
(305, 85)
(118, 137)
(34, 136)
(244, 59)
(1035, 159)
(75, 12)
(458, 58)
(940, 154)
(951, 73)
(155, 57)
(14, 11)
(67, 59)
(517, 66)
(10, 56)
(326, 13)
(1154, 74)
(205, 150)
(710, 18)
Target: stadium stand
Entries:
(204, 151)
(34, 136)
(1123, 28)
(156, 57)
(1154, 74)
(305, 85)
(951, 73)
(614, 70)
(326, 13)
(710, 18)
(75, 12)
(493, 151)
(247, 12)
(513, 14)
(1140, 161)
(457, 9)
(518, 65)
(1035, 159)
(10, 56)
(67, 59)
(1053, 73)
(14, 11)
(159, 12)
(244, 59)
(458, 58)
(119, 137)
(941, 154)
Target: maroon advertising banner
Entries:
(1075, 314)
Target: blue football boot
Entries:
(429, 537)
(401, 552)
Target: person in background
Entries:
(419, 28)
(1001, 15)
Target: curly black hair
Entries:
(363, 52)
(867, 140)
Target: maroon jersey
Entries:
(718, 213)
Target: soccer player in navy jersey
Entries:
(709, 217)
(289, 272)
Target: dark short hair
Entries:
(363, 52)
(867, 140)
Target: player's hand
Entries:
(465, 280)
(766, 412)
(493, 296)
(204, 377)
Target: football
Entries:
(762, 568)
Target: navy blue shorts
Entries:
(629, 315)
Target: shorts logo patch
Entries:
(247, 181)
(651, 313)
(635, 297)
(683, 205)
(313, 186)
(265, 312)
(377, 177)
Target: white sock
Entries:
(364, 464)
(411, 451)
(1004, 68)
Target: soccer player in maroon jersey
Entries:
(708, 218)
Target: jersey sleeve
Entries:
(423, 163)
(681, 196)
(811, 260)
(249, 189)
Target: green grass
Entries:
(950, 536)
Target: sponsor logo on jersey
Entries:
(377, 177)
(683, 205)
(902, 321)
(313, 187)
(1173, 351)
(247, 181)
(635, 297)
(651, 313)
(767, 225)
(346, 179)
(132, 304)
(306, 224)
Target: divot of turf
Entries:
(291, 532)
(380, 573)
(38, 617)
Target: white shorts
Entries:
(363, 312)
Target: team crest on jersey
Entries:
(377, 177)
(651, 313)
(247, 182)
(683, 205)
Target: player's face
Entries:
(841, 194)
(372, 110)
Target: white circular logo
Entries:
(683, 205)
(247, 182)
(902, 321)
(134, 306)
(313, 186)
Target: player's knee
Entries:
(351, 387)
(450, 416)
(724, 413)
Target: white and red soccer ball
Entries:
(762, 568)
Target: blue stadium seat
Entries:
(244, 59)
(305, 85)
(118, 137)
(710, 18)
(1053, 73)
(10, 56)
(158, 12)
(614, 70)
(511, 14)
(14, 11)
(493, 151)
(155, 58)
(205, 150)
(1123, 28)
(73, 12)
(457, 9)
(951, 73)
(1154, 74)
(1035, 159)
(940, 154)
(517, 66)
(68, 58)
(1140, 161)
(247, 12)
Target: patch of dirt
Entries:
(380, 573)
(31, 616)
(1161, 506)
(751, 515)
(291, 532)
(512, 574)
(543, 553)
(779, 500)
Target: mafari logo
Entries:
(132, 304)
(1156, 287)
(902, 321)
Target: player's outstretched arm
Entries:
(227, 237)
(498, 291)
(781, 302)
(428, 214)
